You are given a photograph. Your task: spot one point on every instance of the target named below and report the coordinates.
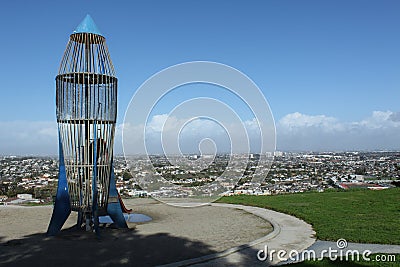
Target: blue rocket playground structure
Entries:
(86, 107)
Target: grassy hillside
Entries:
(364, 216)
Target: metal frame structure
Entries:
(86, 101)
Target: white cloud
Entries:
(295, 131)
(395, 116)
(381, 120)
(226, 136)
(27, 137)
(156, 123)
(298, 131)
(295, 122)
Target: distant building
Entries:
(25, 196)
(362, 185)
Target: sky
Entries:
(328, 69)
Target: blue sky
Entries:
(321, 65)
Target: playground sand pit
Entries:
(173, 234)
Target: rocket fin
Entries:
(114, 207)
(62, 206)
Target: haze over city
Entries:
(329, 70)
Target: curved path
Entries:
(289, 233)
(374, 248)
(321, 247)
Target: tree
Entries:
(361, 171)
(127, 176)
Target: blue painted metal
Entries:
(62, 206)
(87, 25)
(80, 212)
(95, 216)
(132, 217)
(114, 207)
(102, 69)
(79, 220)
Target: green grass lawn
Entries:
(363, 216)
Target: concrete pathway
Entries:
(290, 233)
(342, 247)
(374, 248)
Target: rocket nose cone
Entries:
(87, 26)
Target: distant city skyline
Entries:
(329, 70)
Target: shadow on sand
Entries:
(115, 247)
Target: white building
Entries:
(25, 196)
